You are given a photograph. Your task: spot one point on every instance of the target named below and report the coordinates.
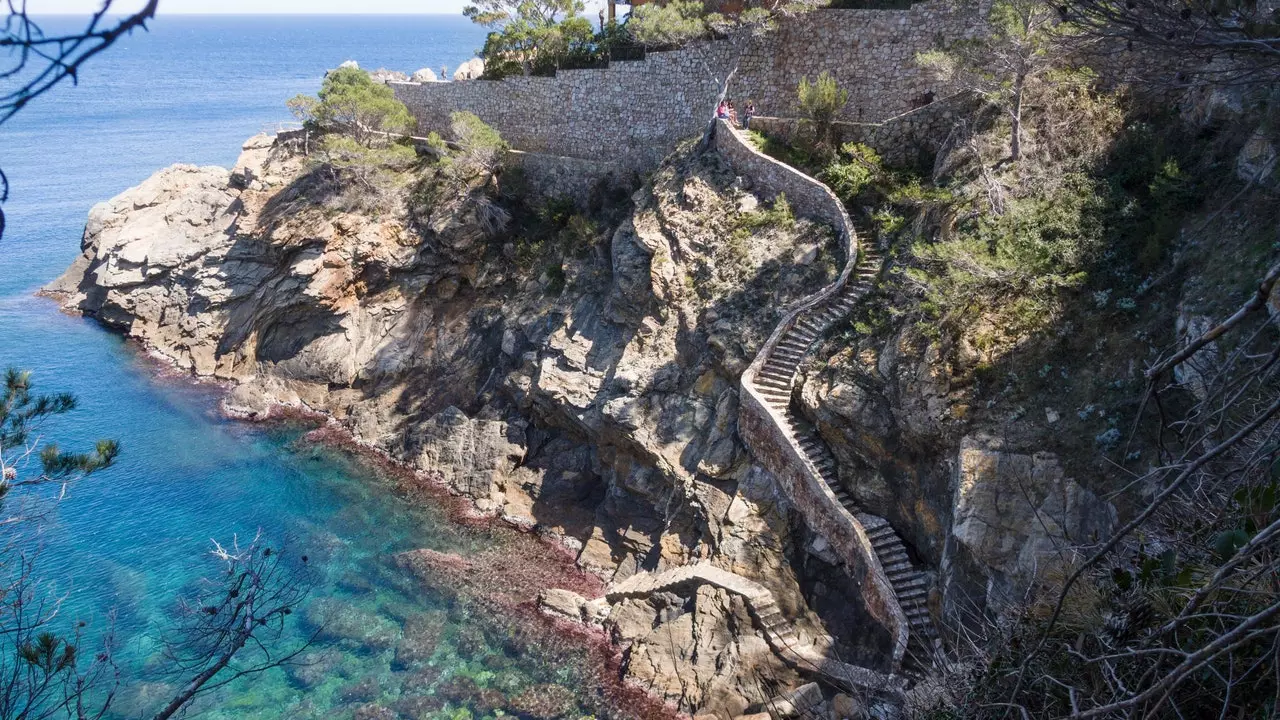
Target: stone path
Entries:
(772, 378)
(777, 630)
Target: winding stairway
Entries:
(777, 630)
(791, 448)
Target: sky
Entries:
(242, 7)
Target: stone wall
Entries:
(770, 178)
(558, 176)
(635, 112)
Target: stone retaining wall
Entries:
(557, 176)
(807, 197)
(634, 112)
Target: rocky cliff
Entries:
(585, 387)
(576, 372)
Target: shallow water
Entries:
(130, 540)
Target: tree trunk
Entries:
(192, 688)
(709, 133)
(1015, 145)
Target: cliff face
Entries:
(578, 374)
(589, 391)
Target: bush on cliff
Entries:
(820, 102)
(465, 170)
(352, 104)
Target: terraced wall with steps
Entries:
(633, 113)
(779, 632)
(764, 428)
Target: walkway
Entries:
(790, 447)
(779, 632)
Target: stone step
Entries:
(772, 382)
(776, 364)
(899, 568)
(882, 536)
(788, 354)
(892, 557)
(872, 522)
(919, 582)
(917, 615)
(914, 607)
(914, 595)
(855, 290)
(886, 540)
(802, 335)
(809, 327)
(782, 378)
(792, 343)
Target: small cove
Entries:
(129, 541)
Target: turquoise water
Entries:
(130, 540)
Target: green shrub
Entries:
(531, 36)
(821, 102)
(345, 152)
(779, 215)
(351, 103)
(855, 168)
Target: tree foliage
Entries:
(670, 24)
(466, 168)
(1222, 42)
(45, 670)
(352, 104)
(531, 36)
(1020, 49)
(36, 61)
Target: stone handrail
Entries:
(762, 427)
(777, 630)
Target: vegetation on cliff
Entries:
(1070, 237)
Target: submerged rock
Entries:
(351, 625)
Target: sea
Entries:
(121, 549)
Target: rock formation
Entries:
(586, 386)
(469, 70)
(424, 75)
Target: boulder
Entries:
(469, 70)
(349, 64)
(424, 75)
(562, 603)
(1257, 159)
(1014, 512)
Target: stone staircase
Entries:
(777, 630)
(895, 591)
(775, 383)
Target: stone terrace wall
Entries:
(634, 113)
(557, 176)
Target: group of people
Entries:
(726, 111)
